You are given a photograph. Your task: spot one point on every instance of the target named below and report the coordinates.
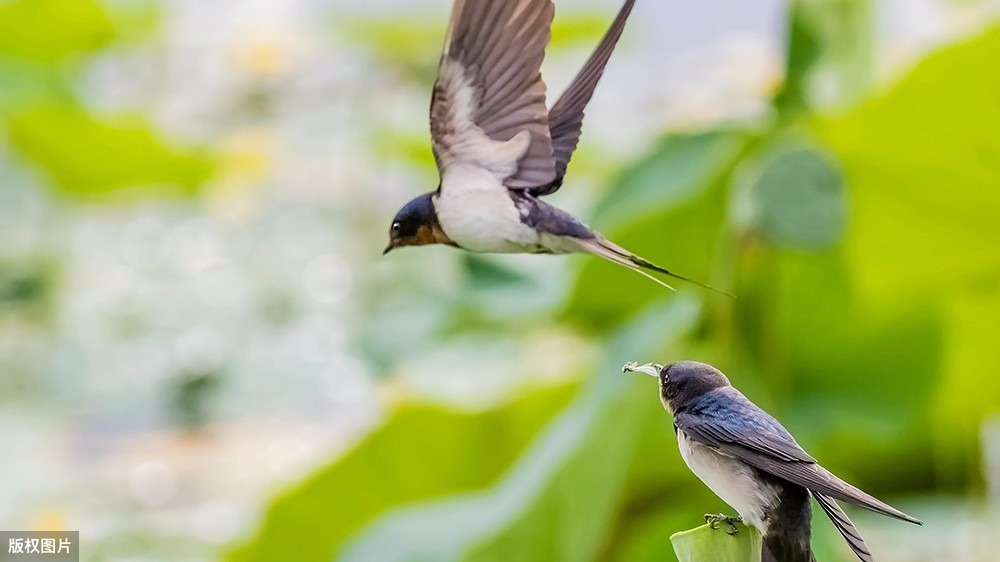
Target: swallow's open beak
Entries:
(651, 369)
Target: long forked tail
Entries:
(615, 253)
(846, 527)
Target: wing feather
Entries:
(488, 107)
(566, 116)
(734, 426)
(846, 527)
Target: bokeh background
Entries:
(203, 355)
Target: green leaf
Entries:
(559, 500)
(421, 452)
(484, 273)
(798, 200)
(669, 208)
(50, 31)
(826, 362)
(866, 331)
(923, 164)
(705, 544)
(27, 290)
(90, 157)
(829, 55)
(26, 83)
(680, 169)
(969, 393)
(134, 21)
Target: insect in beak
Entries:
(651, 369)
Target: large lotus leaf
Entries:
(49, 31)
(923, 165)
(559, 501)
(669, 208)
(421, 452)
(796, 199)
(922, 255)
(852, 379)
(850, 344)
(89, 157)
(969, 390)
(25, 83)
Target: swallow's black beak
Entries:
(388, 249)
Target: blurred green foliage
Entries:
(51, 31)
(829, 55)
(862, 247)
(924, 166)
(797, 200)
(421, 452)
(26, 292)
(20, 284)
(88, 156)
(42, 46)
(412, 43)
(858, 229)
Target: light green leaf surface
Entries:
(90, 157)
(830, 55)
(421, 452)
(561, 523)
(923, 163)
(680, 169)
(969, 391)
(797, 199)
(858, 336)
(669, 208)
(42, 43)
(705, 544)
(49, 31)
(25, 83)
(557, 501)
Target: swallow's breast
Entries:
(732, 480)
(475, 210)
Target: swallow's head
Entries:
(682, 381)
(416, 224)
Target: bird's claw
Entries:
(716, 519)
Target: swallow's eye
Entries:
(395, 228)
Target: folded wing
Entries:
(753, 436)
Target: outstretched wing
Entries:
(734, 426)
(566, 116)
(488, 107)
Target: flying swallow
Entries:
(753, 464)
(498, 148)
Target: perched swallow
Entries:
(751, 461)
(498, 148)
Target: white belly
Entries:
(475, 210)
(732, 480)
